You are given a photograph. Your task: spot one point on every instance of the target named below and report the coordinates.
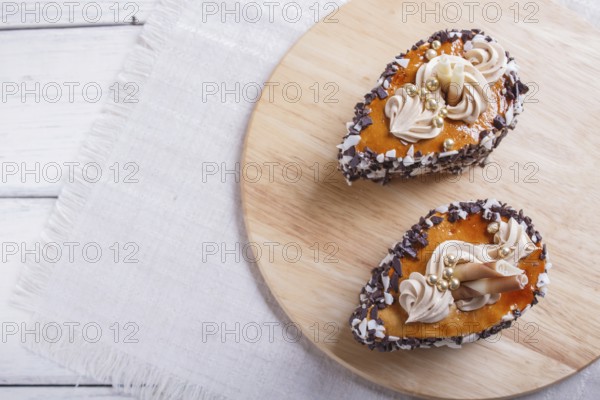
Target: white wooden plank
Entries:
(19, 14)
(21, 221)
(39, 133)
(59, 393)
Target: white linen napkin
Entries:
(174, 325)
(181, 322)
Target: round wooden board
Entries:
(548, 167)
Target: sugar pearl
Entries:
(448, 272)
(432, 279)
(493, 227)
(411, 89)
(442, 285)
(431, 53)
(450, 260)
(431, 104)
(504, 252)
(454, 284)
(432, 84)
(448, 144)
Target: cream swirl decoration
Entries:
(462, 86)
(484, 272)
(488, 57)
(447, 86)
(408, 120)
(423, 302)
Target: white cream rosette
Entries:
(488, 57)
(409, 120)
(463, 87)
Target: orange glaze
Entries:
(378, 137)
(460, 323)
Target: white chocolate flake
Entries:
(543, 280)
(403, 62)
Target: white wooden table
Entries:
(58, 48)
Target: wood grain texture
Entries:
(546, 166)
(37, 14)
(40, 132)
(45, 132)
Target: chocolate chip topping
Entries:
(436, 162)
(375, 300)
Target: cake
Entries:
(443, 105)
(464, 272)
